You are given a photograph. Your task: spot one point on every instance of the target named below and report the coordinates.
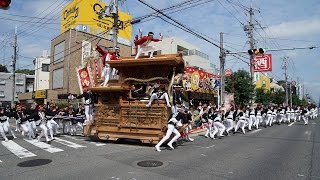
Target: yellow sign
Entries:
(82, 15)
(40, 94)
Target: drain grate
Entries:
(150, 163)
(34, 162)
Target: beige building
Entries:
(68, 51)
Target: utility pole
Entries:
(290, 95)
(115, 16)
(222, 64)
(285, 67)
(14, 60)
(249, 29)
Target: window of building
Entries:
(57, 78)
(19, 82)
(45, 67)
(1, 94)
(2, 81)
(58, 52)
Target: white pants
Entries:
(143, 49)
(258, 120)
(163, 96)
(52, 124)
(209, 128)
(88, 110)
(32, 127)
(229, 125)
(252, 121)
(44, 131)
(288, 117)
(171, 129)
(9, 129)
(106, 74)
(18, 126)
(240, 124)
(3, 130)
(218, 127)
(25, 127)
(305, 119)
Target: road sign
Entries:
(228, 72)
(217, 83)
(262, 63)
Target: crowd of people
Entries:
(220, 122)
(40, 120)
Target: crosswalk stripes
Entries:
(21, 152)
(68, 143)
(17, 149)
(44, 146)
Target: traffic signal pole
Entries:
(251, 40)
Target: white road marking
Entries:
(44, 146)
(203, 155)
(208, 146)
(300, 175)
(77, 139)
(314, 123)
(257, 130)
(0, 161)
(291, 124)
(98, 144)
(68, 143)
(17, 149)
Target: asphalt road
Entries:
(279, 152)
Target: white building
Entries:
(192, 54)
(42, 72)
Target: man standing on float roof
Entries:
(143, 44)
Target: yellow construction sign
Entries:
(82, 15)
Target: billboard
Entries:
(82, 15)
(262, 63)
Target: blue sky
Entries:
(286, 24)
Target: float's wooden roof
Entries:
(166, 60)
(110, 88)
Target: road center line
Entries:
(291, 124)
(257, 130)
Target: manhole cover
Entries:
(34, 162)
(150, 163)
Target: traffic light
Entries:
(256, 51)
(261, 51)
(4, 4)
(253, 51)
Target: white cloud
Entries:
(296, 28)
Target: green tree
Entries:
(262, 96)
(243, 87)
(3, 68)
(278, 97)
(25, 71)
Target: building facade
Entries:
(68, 51)
(24, 83)
(262, 81)
(41, 71)
(192, 55)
